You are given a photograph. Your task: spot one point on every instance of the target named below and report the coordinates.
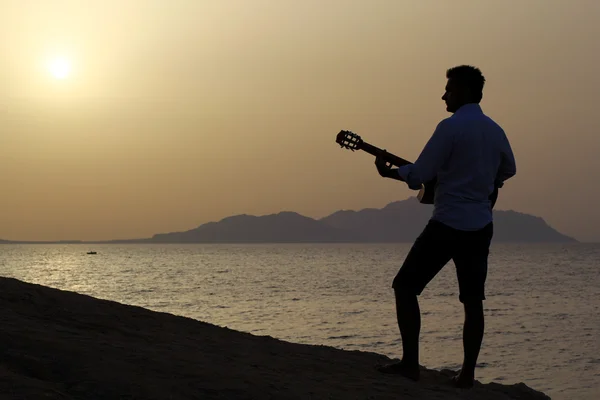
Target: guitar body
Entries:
(426, 194)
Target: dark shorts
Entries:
(435, 247)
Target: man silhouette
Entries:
(470, 156)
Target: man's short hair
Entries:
(469, 77)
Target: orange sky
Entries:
(183, 112)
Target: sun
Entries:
(60, 67)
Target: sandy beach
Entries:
(63, 345)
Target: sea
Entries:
(542, 308)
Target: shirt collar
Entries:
(469, 108)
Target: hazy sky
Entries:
(182, 112)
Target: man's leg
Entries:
(472, 337)
(426, 258)
(409, 323)
(471, 268)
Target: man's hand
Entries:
(386, 170)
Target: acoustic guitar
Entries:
(352, 141)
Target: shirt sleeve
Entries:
(434, 155)
(508, 166)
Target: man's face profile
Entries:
(452, 96)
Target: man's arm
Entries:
(434, 155)
(508, 166)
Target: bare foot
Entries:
(400, 368)
(463, 381)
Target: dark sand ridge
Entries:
(62, 345)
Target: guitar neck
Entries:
(376, 151)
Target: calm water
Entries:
(543, 307)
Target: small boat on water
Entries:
(92, 252)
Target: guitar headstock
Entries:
(349, 140)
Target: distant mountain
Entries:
(281, 227)
(400, 221)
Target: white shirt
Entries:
(469, 154)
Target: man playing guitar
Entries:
(470, 157)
